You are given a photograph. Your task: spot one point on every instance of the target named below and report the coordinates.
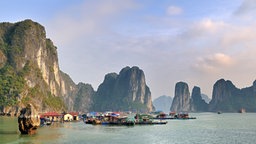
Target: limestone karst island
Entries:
(37, 96)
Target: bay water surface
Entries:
(208, 128)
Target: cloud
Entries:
(205, 27)
(246, 11)
(209, 25)
(88, 19)
(174, 10)
(213, 63)
(246, 7)
(242, 37)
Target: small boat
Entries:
(219, 112)
(242, 110)
(48, 122)
(96, 122)
(45, 121)
(121, 121)
(183, 116)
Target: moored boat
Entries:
(145, 119)
(110, 118)
(242, 110)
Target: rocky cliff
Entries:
(29, 70)
(124, 91)
(83, 98)
(181, 100)
(163, 103)
(197, 104)
(227, 97)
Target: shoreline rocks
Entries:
(28, 120)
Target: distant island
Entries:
(226, 98)
(163, 103)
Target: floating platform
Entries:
(151, 123)
(168, 118)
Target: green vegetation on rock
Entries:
(54, 102)
(11, 85)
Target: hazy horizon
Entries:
(196, 41)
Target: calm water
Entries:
(208, 128)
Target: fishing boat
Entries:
(118, 119)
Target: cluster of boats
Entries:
(121, 118)
(129, 119)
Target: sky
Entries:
(194, 41)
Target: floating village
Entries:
(113, 118)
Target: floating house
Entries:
(68, 117)
(52, 116)
(72, 116)
(75, 115)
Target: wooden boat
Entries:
(96, 122)
(122, 123)
(120, 120)
(151, 122)
(184, 116)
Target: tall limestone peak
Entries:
(222, 95)
(125, 91)
(197, 103)
(133, 80)
(27, 45)
(227, 97)
(29, 70)
(181, 100)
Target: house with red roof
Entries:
(52, 116)
(71, 116)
